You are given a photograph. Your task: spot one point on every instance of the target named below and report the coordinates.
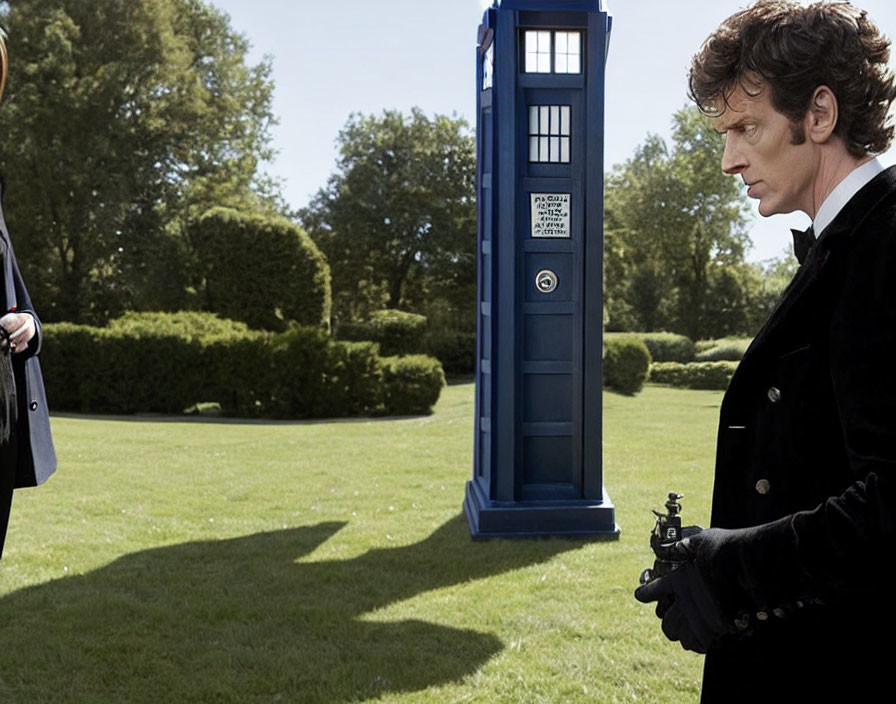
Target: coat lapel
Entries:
(805, 283)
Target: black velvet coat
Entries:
(807, 450)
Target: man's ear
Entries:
(821, 119)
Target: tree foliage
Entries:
(397, 221)
(121, 119)
(675, 238)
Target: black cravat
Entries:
(802, 242)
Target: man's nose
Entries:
(732, 158)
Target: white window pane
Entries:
(555, 120)
(560, 42)
(544, 42)
(543, 149)
(575, 43)
(544, 63)
(564, 119)
(533, 119)
(560, 63)
(574, 65)
(488, 67)
(533, 149)
(555, 149)
(531, 62)
(564, 149)
(545, 119)
(531, 41)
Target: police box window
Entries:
(549, 133)
(488, 67)
(550, 51)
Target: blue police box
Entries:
(537, 466)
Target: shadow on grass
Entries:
(242, 620)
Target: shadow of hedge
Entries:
(241, 620)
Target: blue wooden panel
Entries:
(547, 398)
(547, 460)
(548, 337)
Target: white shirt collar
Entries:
(842, 193)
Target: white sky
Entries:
(335, 57)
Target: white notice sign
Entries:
(550, 214)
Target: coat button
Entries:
(33, 405)
(762, 615)
(774, 394)
(763, 486)
(779, 612)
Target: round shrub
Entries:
(411, 384)
(626, 363)
(696, 375)
(265, 271)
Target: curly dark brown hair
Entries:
(793, 49)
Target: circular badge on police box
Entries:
(546, 281)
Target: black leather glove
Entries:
(689, 601)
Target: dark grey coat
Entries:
(807, 447)
(36, 457)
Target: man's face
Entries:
(759, 146)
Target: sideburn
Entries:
(797, 133)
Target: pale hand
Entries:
(21, 329)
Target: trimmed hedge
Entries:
(728, 349)
(166, 363)
(411, 384)
(626, 363)
(260, 269)
(669, 346)
(454, 349)
(397, 332)
(315, 377)
(663, 346)
(696, 375)
(191, 324)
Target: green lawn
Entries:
(331, 562)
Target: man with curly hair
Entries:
(788, 592)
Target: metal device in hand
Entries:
(666, 532)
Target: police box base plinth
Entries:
(591, 519)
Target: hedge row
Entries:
(396, 331)
(729, 349)
(696, 375)
(401, 333)
(663, 346)
(161, 363)
(454, 349)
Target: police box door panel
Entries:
(550, 226)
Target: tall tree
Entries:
(398, 218)
(122, 118)
(673, 220)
